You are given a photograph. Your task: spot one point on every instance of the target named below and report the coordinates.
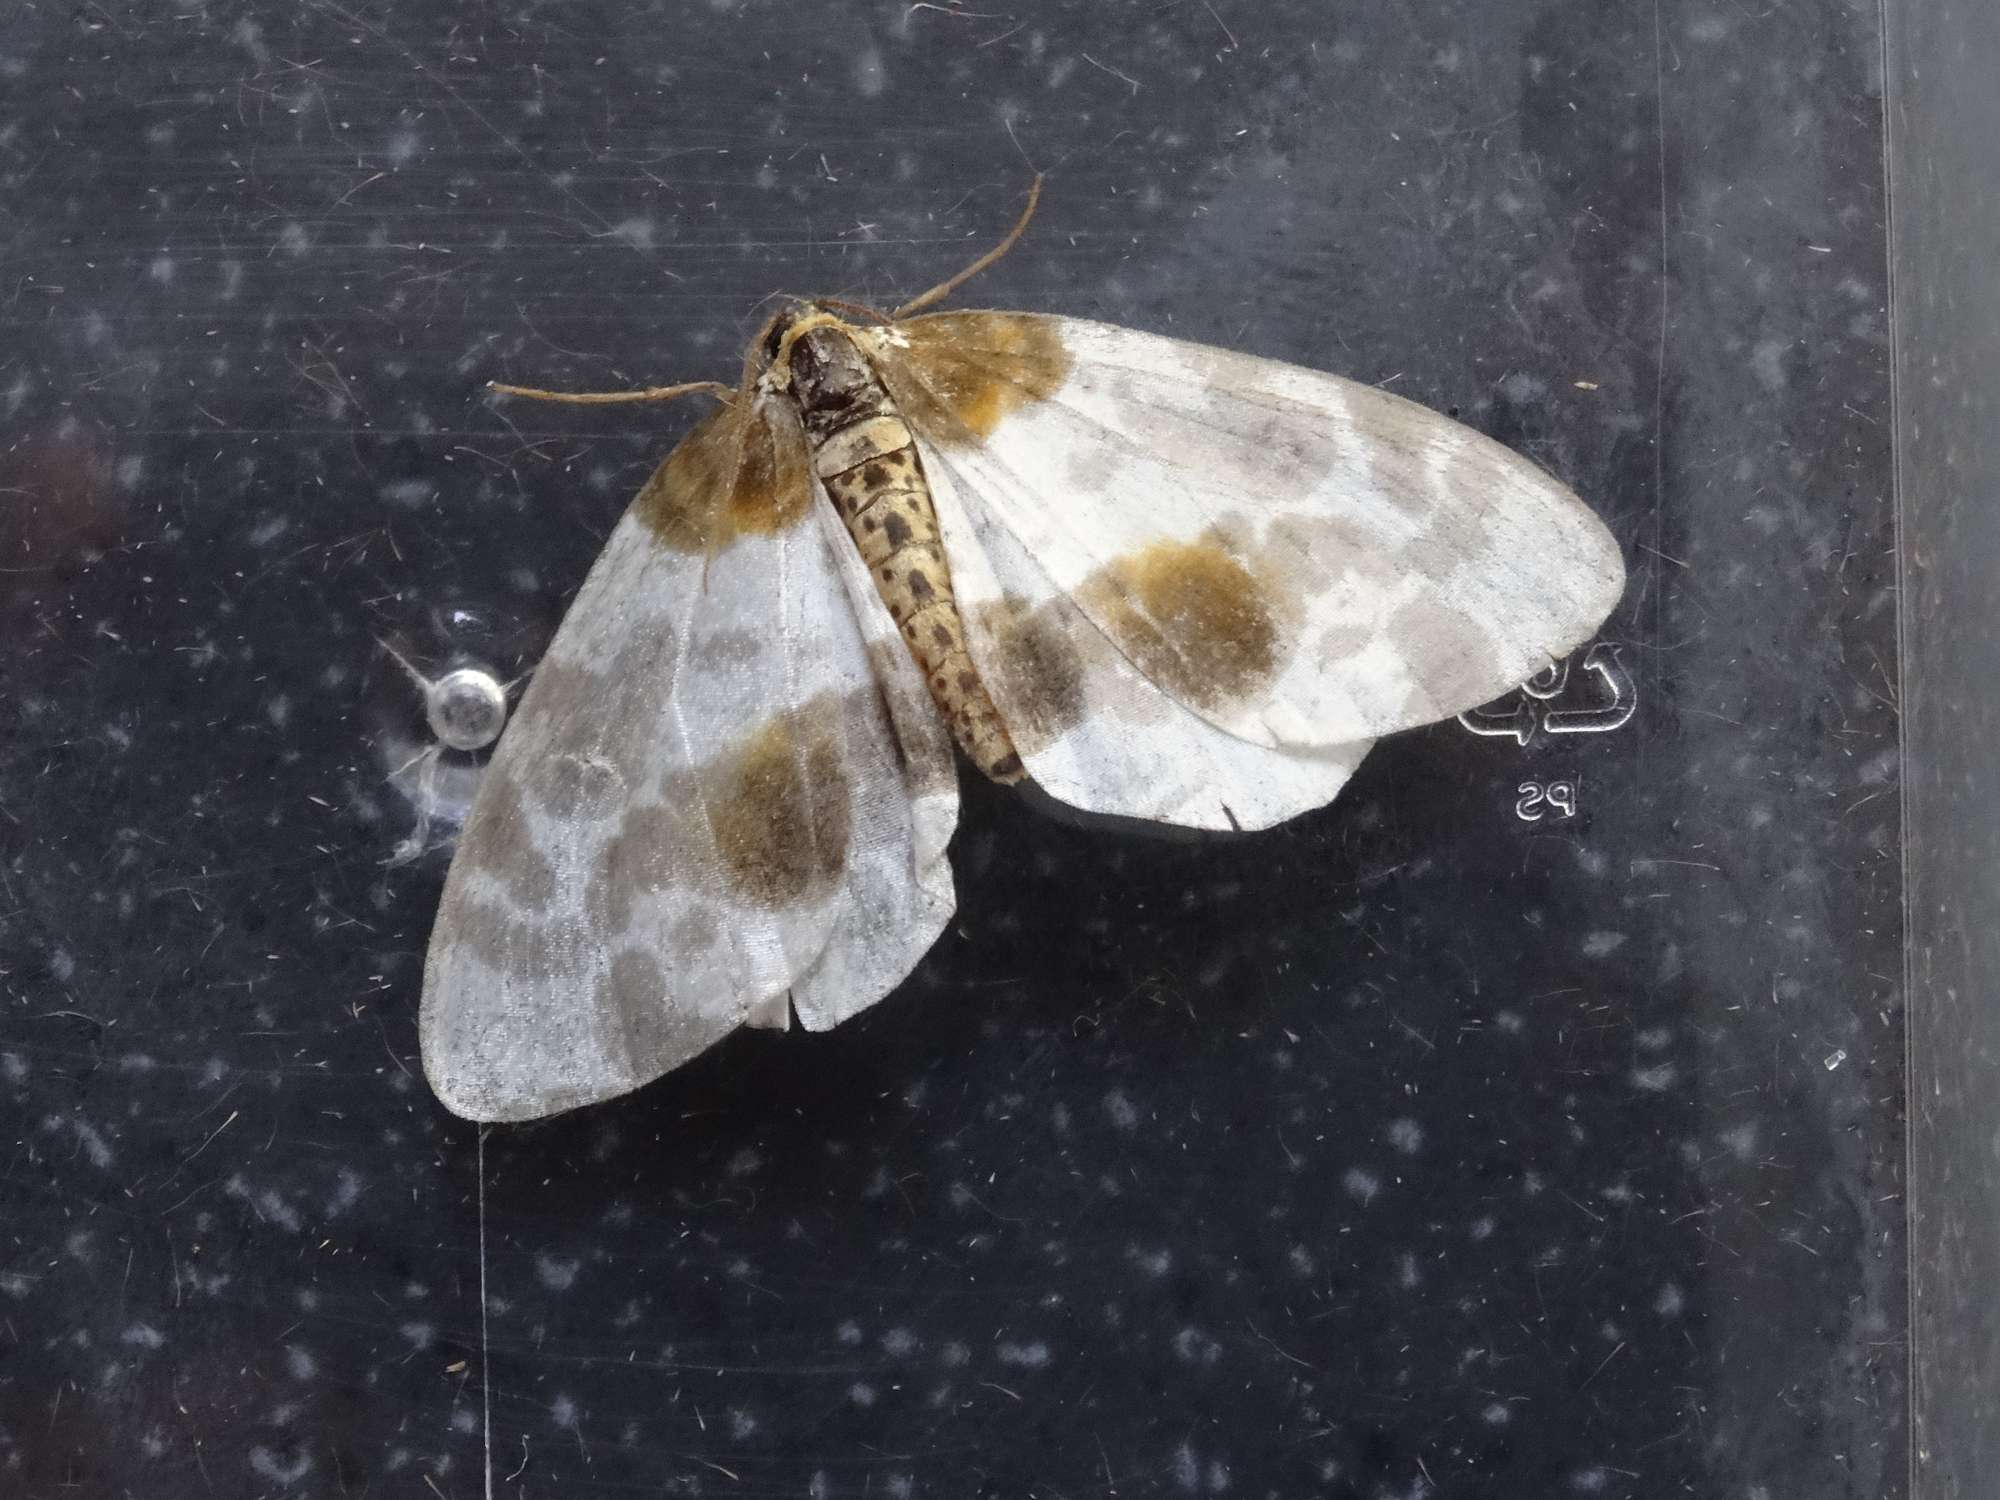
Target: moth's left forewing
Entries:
(1301, 560)
(702, 804)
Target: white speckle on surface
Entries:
(639, 233)
(300, 1364)
(1602, 944)
(346, 1191)
(849, 1333)
(408, 492)
(248, 35)
(143, 1335)
(1767, 360)
(555, 1273)
(1121, 1111)
(402, 148)
(420, 1335)
(1196, 1347)
(1483, 1227)
(1589, 1481)
(1023, 1356)
(1654, 1080)
(93, 1144)
(161, 269)
(267, 1465)
(13, 1068)
(1187, 1472)
(279, 1212)
(294, 240)
(899, 1342)
(1496, 1414)
(1406, 1135)
(861, 1394)
(1670, 1301)
(1361, 1184)
(870, 77)
(744, 1162)
(1740, 1141)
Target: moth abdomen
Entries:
(867, 459)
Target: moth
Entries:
(1162, 580)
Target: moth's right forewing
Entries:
(1300, 560)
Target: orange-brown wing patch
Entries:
(780, 806)
(1192, 617)
(742, 470)
(1034, 666)
(957, 374)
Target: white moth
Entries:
(1162, 580)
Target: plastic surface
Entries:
(1943, 121)
(1525, 1124)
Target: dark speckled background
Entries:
(1413, 1150)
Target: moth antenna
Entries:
(861, 309)
(612, 398)
(945, 288)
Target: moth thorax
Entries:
(833, 382)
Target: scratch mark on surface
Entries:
(1107, 68)
(485, 1343)
(1660, 359)
(1224, 25)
